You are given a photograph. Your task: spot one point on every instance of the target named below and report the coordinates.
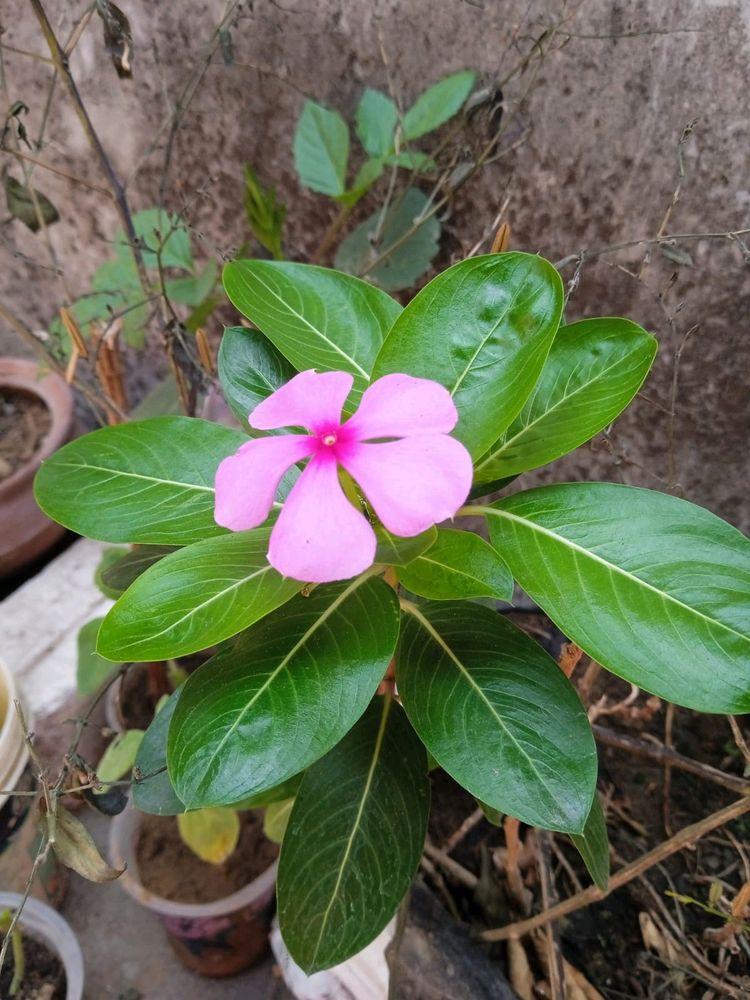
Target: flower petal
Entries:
(412, 483)
(319, 536)
(247, 481)
(311, 399)
(401, 405)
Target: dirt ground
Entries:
(600, 120)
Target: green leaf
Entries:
(437, 104)
(497, 713)
(265, 213)
(316, 317)
(148, 481)
(404, 258)
(153, 792)
(593, 845)
(370, 171)
(411, 159)
(196, 597)
(193, 289)
(212, 834)
(119, 757)
(279, 793)
(321, 149)
(250, 369)
(654, 588)
(376, 122)
(354, 840)
(92, 670)
(118, 576)
(110, 556)
(395, 551)
(276, 819)
(482, 329)
(594, 369)
(160, 234)
(459, 565)
(284, 695)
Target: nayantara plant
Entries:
(357, 620)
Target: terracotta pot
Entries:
(27, 532)
(214, 939)
(43, 923)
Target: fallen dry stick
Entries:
(683, 838)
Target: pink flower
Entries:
(411, 483)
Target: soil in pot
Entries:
(24, 422)
(168, 868)
(44, 976)
(142, 685)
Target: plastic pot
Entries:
(19, 838)
(214, 939)
(44, 923)
(27, 532)
(14, 773)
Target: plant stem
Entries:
(60, 60)
(688, 835)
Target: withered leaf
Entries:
(75, 848)
(21, 204)
(118, 38)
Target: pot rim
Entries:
(42, 921)
(55, 393)
(122, 842)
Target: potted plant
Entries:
(36, 418)
(44, 957)
(330, 568)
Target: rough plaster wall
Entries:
(599, 167)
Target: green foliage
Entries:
(482, 329)
(116, 286)
(438, 104)
(393, 248)
(286, 713)
(236, 729)
(316, 318)
(593, 845)
(354, 839)
(92, 669)
(250, 369)
(121, 484)
(648, 585)
(321, 149)
(507, 696)
(459, 565)
(265, 213)
(119, 757)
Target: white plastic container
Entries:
(44, 923)
(14, 753)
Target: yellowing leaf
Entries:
(212, 834)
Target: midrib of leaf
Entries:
(612, 568)
(427, 626)
(357, 822)
(305, 637)
(452, 569)
(484, 340)
(199, 607)
(491, 455)
(134, 475)
(308, 324)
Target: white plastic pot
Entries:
(14, 753)
(214, 939)
(42, 922)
